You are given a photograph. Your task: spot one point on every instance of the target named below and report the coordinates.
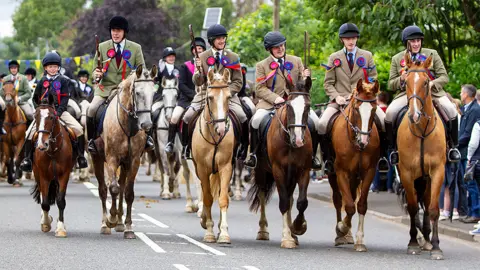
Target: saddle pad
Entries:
(331, 122)
(100, 117)
(404, 111)
(263, 130)
(246, 108)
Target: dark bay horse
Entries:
(286, 163)
(15, 125)
(53, 163)
(357, 149)
(422, 156)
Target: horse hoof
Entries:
(166, 196)
(190, 209)
(129, 235)
(46, 227)
(436, 255)
(120, 228)
(263, 236)
(17, 183)
(295, 238)
(61, 234)
(176, 195)
(414, 250)
(111, 224)
(148, 173)
(343, 240)
(299, 229)
(427, 246)
(223, 239)
(238, 198)
(105, 230)
(288, 244)
(360, 248)
(209, 238)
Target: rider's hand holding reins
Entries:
(198, 62)
(279, 100)
(97, 73)
(403, 77)
(340, 100)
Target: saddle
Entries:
(156, 116)
(246, 108)
(335, 116)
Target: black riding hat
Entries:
(30, 71)
(273, 39)
(52, 58)
(348, 30)
(411, 32)
(214, 31)
(13, 63)
(83, 73)
(199, 42)
(118, 22)
(168, 51)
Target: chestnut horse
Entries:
(286, 163)
(422, 156)
(15, 125)
(356, 143)
(53, 163)
(213, 144)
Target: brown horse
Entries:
(15, 125)
(213, 143)
(422, 156)
(127, 119)
(286, 163)
(356, 143)
(53, 163)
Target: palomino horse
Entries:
(53, 162)
(213, 144)
(127, 119)
(13, 140)
(422, 155)
(356, 142)
(286, 163)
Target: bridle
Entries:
(282, 106)
(52, 140)
(357, 131)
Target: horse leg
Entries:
(120, 226)
(129, 197)
(61, 230)
(206, 219)
(189, 207)
(102, 192)
(423, 238)
(263, 233)
(114, 187)
(225, 175)
(343, 228)
(165, 193)
(46, 219)
(300, 224)
(285, 204)
(198, 188)
(412, 207)
(436, 185)
(362, 209)
(238, 180)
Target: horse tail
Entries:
(52, 192)
(420, 186)
(35, 192)
(215, 185)
(257, 186)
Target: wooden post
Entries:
(276, 15)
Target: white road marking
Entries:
(149, 242)
(195, 253)
(201, 245)
(248, 267)
(94, 190)
(90, 185)
(152, 220)
(158, 233)
(181, 267)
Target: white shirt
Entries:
(474, 141)
(122, 45)
(169, 68)
(215, 53)
(347, 52)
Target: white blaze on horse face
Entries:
(220, 127)
(41, 126)
(365, 110)
(298, 105)
(416, 115)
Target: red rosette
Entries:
(111, 53)
(402, 62)
(337, 62)
(211, 61)
(46, 84)
(273, 65)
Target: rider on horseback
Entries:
(187, 92)
(83, 85)
(57, 85)
(271, 88)
(119, 57)
(345, 68)
(218, 58)
(24, 93)
(412, 38)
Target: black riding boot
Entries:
(26, 164)
(81, 160)
(149, 144)
(392, 143)
(2, 118)
(242, 155)
(172, 131)
(185, 141)
(316, 165)
(453, 153)
(326, 148)
(91, 135)
(252, 158)
(383, 165)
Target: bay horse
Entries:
(422, 150)
(127, 119)
(286, 164)
(15, 126)
(54, 159)
(213, 145)
(356, 143)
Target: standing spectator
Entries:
(473, 155)
(471, 114)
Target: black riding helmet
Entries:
(199, 42)
(168, 51)
(214, 31)
(273, 39)
(30, 71)
(83, 73)
(348, 30)
(118, 22)
(411, 32)
(52, 58)
(13, 63)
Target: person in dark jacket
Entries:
(166, 68)
(187, 92)
(82, 81)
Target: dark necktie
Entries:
(350, 61)
(280, 63)
(118, 56)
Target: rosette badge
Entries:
(126, 54)
(288, 65)
(46, 84)
(57, 85)
(225, 61)
(111, 53)
(402, 62)
(337, 62)
(273, 65)
(211, 61)
(361, 62)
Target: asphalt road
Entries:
(169, 238)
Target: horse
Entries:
(126, 121)
(286, 163)
(213, 145)
(83, 175)
(422, 150)
(15, 125)
(356, 143)
(54, 159)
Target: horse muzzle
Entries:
(146, 126)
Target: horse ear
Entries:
(139, 71)
(153, 72)
(408, 60)
(226, 75)
(210, 76)
(163, 82)
(308, 83)
(376, 87)
(359, 85)
(428, 62)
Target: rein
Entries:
(281, 106)
(53, 140)
(357, 131)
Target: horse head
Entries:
(298, 108)
(363, 106)
(10, 93)
(418, 86)
(169, 95)
(218, 96)
(46, 120)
